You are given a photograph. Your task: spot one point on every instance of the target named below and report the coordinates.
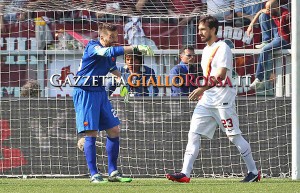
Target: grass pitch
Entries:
(155, 185)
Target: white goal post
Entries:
(295, 91)
(38, 133)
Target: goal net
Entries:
(41, 39)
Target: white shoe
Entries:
(256, 84)
(260, 46)
(97, 178)
(116, 176)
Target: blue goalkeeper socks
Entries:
(112, 149)
(90, 154)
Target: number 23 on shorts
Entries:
(227, 123)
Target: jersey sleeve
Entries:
(224, 57)
(106, 51)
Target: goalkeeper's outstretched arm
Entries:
(145, 50)
(114, 51)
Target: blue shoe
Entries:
(116, 176)
(97, 178)
(251, 177)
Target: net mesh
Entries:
(37, 120)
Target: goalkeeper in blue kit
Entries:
(94, 111)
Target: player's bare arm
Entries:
(221, 74)
(267, 10)
(250, 28)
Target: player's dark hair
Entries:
(211, 21)
(103, 27)
(137, 55)
(186, 47)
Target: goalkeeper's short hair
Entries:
(104, 27)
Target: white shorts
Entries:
(206, 120)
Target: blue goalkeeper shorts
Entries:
(93, 111)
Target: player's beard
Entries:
(207, 39)
(109, 43)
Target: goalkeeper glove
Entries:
(124, 93)
(146, 50)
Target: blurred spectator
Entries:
(135, 34)
(43, 33)
(133, 65)
(275, 26)
(41, 20)
(133, 29)
(157, 20)
(31, 89)
(11, 10)
(218, 9)
(187, 57)
(245, 13)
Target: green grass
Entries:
(158, 185)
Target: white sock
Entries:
(191, 153)
(245, 150)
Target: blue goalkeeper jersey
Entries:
(96, 61)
